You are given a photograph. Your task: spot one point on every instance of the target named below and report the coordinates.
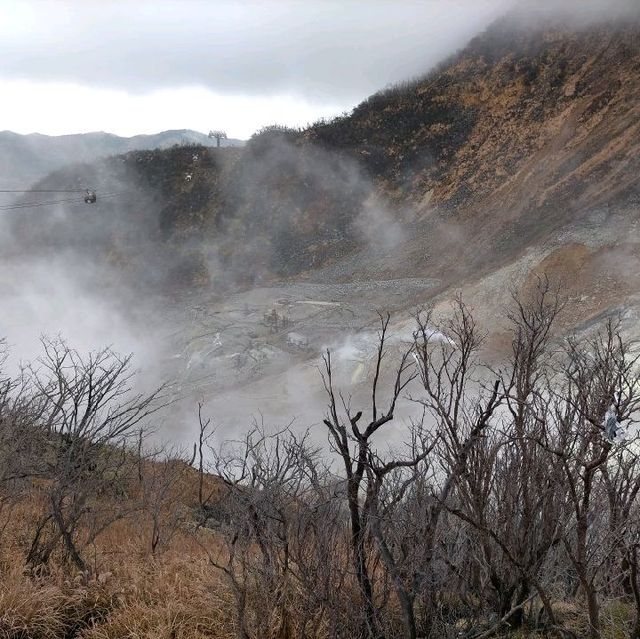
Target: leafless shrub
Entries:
(163, 486)
(267, 481)
(365, 475)
(91, 419)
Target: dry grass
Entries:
(175, 594)
(132, 594)
(31, 609)
(172, 598)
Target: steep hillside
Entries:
(528, 129)
(525, 131)
(517, 97)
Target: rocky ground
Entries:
(258, 352)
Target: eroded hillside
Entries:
(516, 158)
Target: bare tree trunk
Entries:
(633, 566)
(241, 607)
(67, 538)
(358, 540)
(594, 613)
(406, 601)
(36, 556)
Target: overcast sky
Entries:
(141, 67)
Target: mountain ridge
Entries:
(25, 159)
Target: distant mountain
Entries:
(25, 159)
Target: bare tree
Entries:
(91, 417)
(21, 442)
(353, 444)
(266, 480)
(511, 493)
(457, 401)
(319, 550)
(164, 498)
(205, 433)
(397, 533)
(598, 373)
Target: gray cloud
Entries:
(324, 50)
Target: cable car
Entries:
(90, 197)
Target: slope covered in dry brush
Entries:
(510, 506)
